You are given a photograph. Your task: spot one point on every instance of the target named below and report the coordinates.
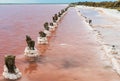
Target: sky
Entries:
(47, 1)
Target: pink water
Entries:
(17, 21)
(72, 52)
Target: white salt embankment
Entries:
(106, 33)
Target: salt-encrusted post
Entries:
(10, 70)
(42, 39)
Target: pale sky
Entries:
(47, 1)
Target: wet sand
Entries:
(72, 55)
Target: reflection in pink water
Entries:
(16, 21)
(72, 54)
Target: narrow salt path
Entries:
(73, 55)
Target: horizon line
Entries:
(49, 3)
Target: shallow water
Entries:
(17, 21)
(71, 55)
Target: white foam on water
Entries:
(63, 44)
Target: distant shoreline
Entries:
(104, 4)
(34, 3)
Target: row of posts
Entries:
(11, 72)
